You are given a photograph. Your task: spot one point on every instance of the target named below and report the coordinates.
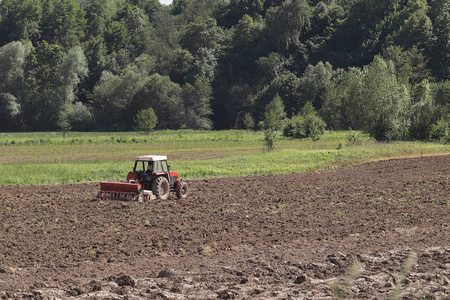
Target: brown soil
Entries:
(344, 233)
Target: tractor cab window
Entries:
(157, 167)
(164, 166)
(160, 166)
(139, 166)
(150, 168)
(142, 166)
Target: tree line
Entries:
(378, 66)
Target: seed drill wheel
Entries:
(161, 188)
(182, 191)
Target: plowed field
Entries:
(340, 233)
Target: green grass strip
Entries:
(195, 155)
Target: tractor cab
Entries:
(151, 164)
(153, 173)
(148, 168)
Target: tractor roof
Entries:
(151, 158)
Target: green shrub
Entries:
(441, 131)
(306, 124)
(145, 120)
(314, 126)
(355, 137)
(273, 121)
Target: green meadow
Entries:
(49, 158)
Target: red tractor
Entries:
(151, 177)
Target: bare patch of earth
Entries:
(321, 235)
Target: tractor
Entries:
(151, 178)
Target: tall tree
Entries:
(422, 112)
(150, 7)
(165, 96)
(71, 71)
(440, 50)
(314, 82)
(272, 65)
(63, 22)
(202, 33)
(382, 103)
(41, 102)
(247, 31)
(203, 39)
(235, 10)
(417, 29)
(197, 108)
(410, 65)
(287, 86)
(20, 20)
(189, 10)
(113, 95)
(285, 23)
(12, 61)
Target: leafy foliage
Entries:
(196, 106)
(273, 121)
(248, 121)
(285, 23)
(377, 66)
(145, 120)
(383, 102)
(307, 123)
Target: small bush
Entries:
(274, 116)
(294, 128)
(355, 138)
(146, 120)
(306, 124)
(314, 127)
(248, 121)
(270, 137)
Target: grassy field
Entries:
(48, 158)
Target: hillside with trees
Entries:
(382, 67)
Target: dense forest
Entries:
(381, 66)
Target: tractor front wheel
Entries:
(182, 191)
(161, 188)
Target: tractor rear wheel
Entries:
(182, 191)
(161, 188)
